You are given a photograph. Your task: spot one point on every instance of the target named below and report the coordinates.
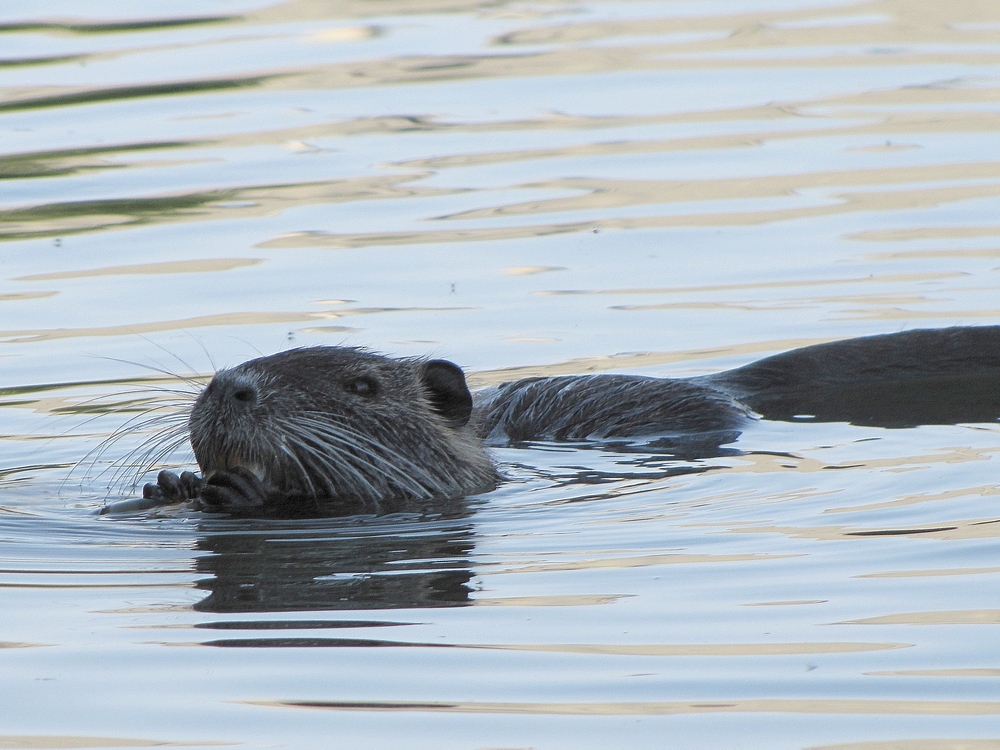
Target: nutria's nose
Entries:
(229, 387)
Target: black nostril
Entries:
(229, 386)
(245, 395)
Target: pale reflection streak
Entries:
(948, 617)
(932, 573)
(207, 265)
(604, 194)
(904, 314)
(941, 253)
(202, 321)
(801, 303)
(583, 365)
(20, 296)
(739, 39)
(877, 279)
(766, 463)
(613, 563)
(550, 600)
(879, 22)
(925, 233)
(226, 203)
(806, 126)
(72, 742)
(987, 490)
(979, 528)
(118, 396)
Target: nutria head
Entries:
(337, 423)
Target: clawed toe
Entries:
(234, 490)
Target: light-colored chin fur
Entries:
(256, 469)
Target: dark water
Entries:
(665, 188)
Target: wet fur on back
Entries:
(603, 406)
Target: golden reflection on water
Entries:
(197, 265)
(923, 497)
(930, 573)
(925, 233)
(19, 296)
(767, 463)
(611, 563)
(205, 321)
(979, 528)
(958, 617)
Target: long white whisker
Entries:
(148, 461)
(315, 448)
(356, 442)
(145, 456)
(302, 469)
(196, 379)
(132, 426)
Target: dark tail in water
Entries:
(935, 376)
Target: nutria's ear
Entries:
(446, 390)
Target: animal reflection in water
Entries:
(325, 565)
(339, 431)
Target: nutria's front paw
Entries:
(170, 488)
(234, 491)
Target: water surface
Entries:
(665, 188)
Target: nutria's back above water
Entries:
(334, 429)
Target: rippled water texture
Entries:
(667, 188)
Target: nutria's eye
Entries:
(362, 386)
(246, 395)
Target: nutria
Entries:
(307, 427)
(336, 429)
